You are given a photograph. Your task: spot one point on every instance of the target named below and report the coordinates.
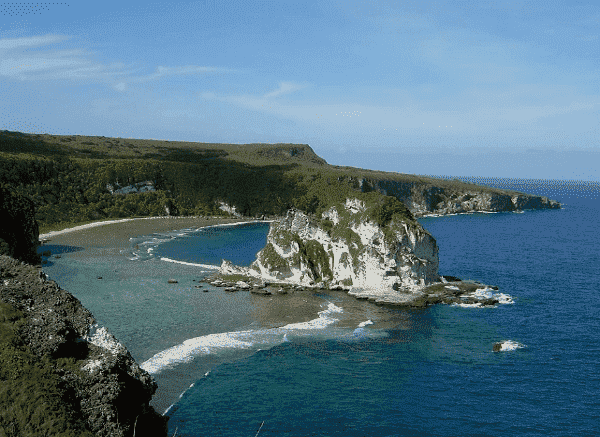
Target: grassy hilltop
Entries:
(74, 179)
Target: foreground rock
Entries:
(19, 232)
(100, 383)
(507, 345)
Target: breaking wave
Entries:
(252, 339)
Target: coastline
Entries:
(123, 229)
(101, 245)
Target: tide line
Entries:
(206, 266)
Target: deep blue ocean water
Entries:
(425, 372)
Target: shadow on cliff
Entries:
(50, 251)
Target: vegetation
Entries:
(69, 178)
(32, 401)
(271, 259)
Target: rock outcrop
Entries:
(19, 232)
(444, 198)
(101, 384)
(347, 247)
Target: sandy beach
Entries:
(116, 233)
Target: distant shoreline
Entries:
(109, 222)
(117, 233)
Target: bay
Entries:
(362, 369)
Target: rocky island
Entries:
(370, 247)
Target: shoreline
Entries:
(125, 220)
(116, 234)
(101, 244)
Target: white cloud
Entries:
(53, 64)
(183, 70)
(33, 41)
(284, 88)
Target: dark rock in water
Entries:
(497, 347)
(172, 281)
(101, 385)
(198, 286)
(19, 232)
(451, 278)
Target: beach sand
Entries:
(116, 233)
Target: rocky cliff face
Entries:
(100, 382)
(19, 233)
(346, 247)
(425, 199)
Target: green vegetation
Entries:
(32, 401)
(314, 256)
(69, 179)
(347, 282)
(271, 259)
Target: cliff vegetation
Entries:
(77, 179)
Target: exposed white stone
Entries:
(406, 261)
(355, 205)
(230, 209)
(332, 215)
(92, 365)
(99, 336)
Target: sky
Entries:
(458, 88)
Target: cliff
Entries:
(60, 373)
(441, 197)
(368, 243)
(75, 179)
(19, 233)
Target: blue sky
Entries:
(461, 88)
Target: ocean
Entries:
(229, 364)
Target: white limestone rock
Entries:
(355, 252)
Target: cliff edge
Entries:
(80, 380)
(441, 197)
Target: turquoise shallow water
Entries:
(425, 372)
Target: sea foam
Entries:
(510, 345)
(222, 342)
(185, 263)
